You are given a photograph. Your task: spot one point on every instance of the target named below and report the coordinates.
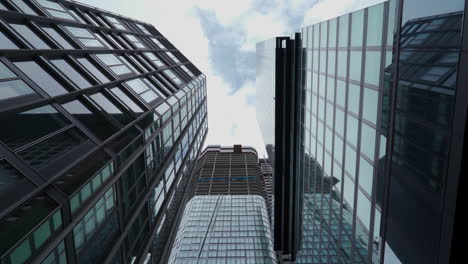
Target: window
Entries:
(71, 73)
(370, 102)
(85, 37)
(135, 41)
(154, 59)
(172, 56)
(143, 90)
(368, 141)
(58, 37)
(375, 25)
(343, 31)
(83, 231)
(116, 23)
(114, 63)
(57, 256)
(111, 108)
(372, 67)
(30, 36)
(11, 86)
(126, 100)
(354, 92)
(55, 9)
(355, 65)
(172, 76)
(13, 185)
(6, 43)
(90, 67)
(23, 6)
(37, 74)
(366, 172)
(357, 28)
(352, 130)
(143, 29)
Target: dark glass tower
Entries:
(102, 120)
(226, 220)
(367, 137)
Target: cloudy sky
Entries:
(219, 37)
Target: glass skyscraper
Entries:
(365, 125)
(227, 219)
(102, 120)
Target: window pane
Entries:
(80, 32)
(343, 31)
(353, 98)
(13, 185)
(149, 96)
(71, 73)
(120, 69)
(57, 37)
(6, 43)
(352, 130)
(332, 33)
(342, 63)
(348, 191)
(5, 72)
(355, 65)
(363, 209)
(350, 161)
(91, 42)
(128, 102)
(90, 67)
(372, 72)
(30, 36)
(340, 93)
(374, 25)
(366, 172)
(368, 141)
(24, 7)
(357, 26)
(339, 121)
(41, 77)
(370, 101)
(11, 89)
(138, 86)
(105, 104)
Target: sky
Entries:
(219, 38)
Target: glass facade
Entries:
(99, 138)
(375, 172)
(224, 229)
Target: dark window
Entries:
(92, 121)
(13, 185)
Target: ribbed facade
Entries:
(228, 171)
(102, 121)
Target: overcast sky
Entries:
(219, 37)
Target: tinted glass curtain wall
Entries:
(102, 120)
(367, 136)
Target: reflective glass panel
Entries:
(355, 65)
(30, 36)
(370, 102)
(357, 26)
(57, 37)
(353, 98)
(71, 73)
(372, 67)
(352, 130)
(375, 25)
(6, 43)
(368, 141)
(41, 77)
(15, 88)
